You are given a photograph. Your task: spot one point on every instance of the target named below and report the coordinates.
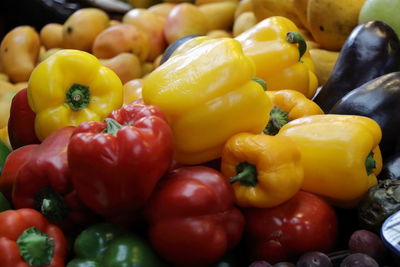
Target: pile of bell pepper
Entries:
(224, 155)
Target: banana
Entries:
(324, 61)
(331, 21)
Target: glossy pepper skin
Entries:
(264, 170)
(71, 87)
(12, 165)
(207, 93)
(278, 59)
(378, 99)
(192, 218)
(303, 223)
(21, 124)
(175, 45)
(28, 239)
(371, 50)
(288, 105)
(43, 182)
(108, 245)
(127, 155)
(336, 155)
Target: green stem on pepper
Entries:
(78, 96)
(35, 247)
(51, 204)
(246, 174)
(370, 163)
(296, 37)
(277, 118)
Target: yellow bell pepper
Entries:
(133, 90)
(71, 87)
(4, 137)
(265, 170)
(339, 153)
(208, 95)
(7, 92)
(280, 55)
(288, 105)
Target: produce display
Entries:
(202, 133)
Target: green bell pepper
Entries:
(4, 204)
(108, 245)
(4, 151)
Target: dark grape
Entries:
(314, 259)
(359, 260)
(284, 264)
(260, 264)
(363, 241)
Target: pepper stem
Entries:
(35, 247)
(112, 126)
(370, 163)
(296, 37)
(246, 174)
(277, 118)
(78, 96)
(261, 82)
(51, 204)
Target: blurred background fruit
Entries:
(383, 10)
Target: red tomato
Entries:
(282, 233)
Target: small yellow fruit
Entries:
(82, 27)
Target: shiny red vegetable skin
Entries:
(21, 124)
(44, 176)
(15, 160)
(13, 223)
(115, 172)
(192, 217)
(283, 233)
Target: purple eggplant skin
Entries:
(371, 50)
(391, 168)
(379, 100)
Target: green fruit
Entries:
(383, 10)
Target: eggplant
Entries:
(391, 168)
(371, 50)
(379, 100)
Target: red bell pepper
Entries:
(192, 217)
(13, 163)
(282, 233)
(21, 124)
(115, 165)
(28, 239)
(43, 182)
